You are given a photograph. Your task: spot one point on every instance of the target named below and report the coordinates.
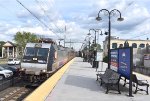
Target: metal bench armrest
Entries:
(100, 71)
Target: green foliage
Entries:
(93, 47)
(85, 48)
(105, 59)
(22, 38)
(2, 43)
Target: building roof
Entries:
(47, 40)
(9, 44)
(117, 38)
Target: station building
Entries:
(115, 42)
(8, 50)
(141, 48)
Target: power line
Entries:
(37, 18)
(42, 8)
(128, 5)
(46, 4)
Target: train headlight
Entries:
(22, 69)
(34, 58)
(41, 61)
(44, 70)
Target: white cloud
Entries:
(78, 16)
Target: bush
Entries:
(105, 59)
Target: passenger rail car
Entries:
(44, 57)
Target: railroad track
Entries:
(18, 88)
(16, 94)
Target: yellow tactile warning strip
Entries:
(43, 90)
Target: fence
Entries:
(142, 70)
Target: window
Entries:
(30, 51)
(114, 45)
(42, 52)
(142, 45)
(121, 45)
(134, 45)
(126, 44)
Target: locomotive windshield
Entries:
(36, 55)
(42, 52)
(30, 51)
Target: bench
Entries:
(109, 78)
(140, 83)
(104, 73)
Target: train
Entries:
(45, 57)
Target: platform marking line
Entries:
(41, 93)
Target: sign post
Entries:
(131, 70)
(125, 65)
(99, 58)
(122, 62)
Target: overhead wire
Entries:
(42, 8)
(61, 30)
(55, 8)
(37, 18)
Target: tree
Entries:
(22, 38)
(105, 59)
(94, 47)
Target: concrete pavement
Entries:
(79, 84)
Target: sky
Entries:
(72, 19)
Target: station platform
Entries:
(79, 84)
(76, 81)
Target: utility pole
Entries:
(70, 43)
(65, 35)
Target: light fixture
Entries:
(120, 19)
(98, 18)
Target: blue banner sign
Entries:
(124, 62)
(114, 60)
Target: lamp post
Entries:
(90, 40)
(95, 64)
(60, 40)
(85, 50)
(110, 13)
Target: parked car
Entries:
(14, 69)
(13, 61)
(4, 73)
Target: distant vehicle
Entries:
(4, 73)
(14, 69)
(13, 61)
